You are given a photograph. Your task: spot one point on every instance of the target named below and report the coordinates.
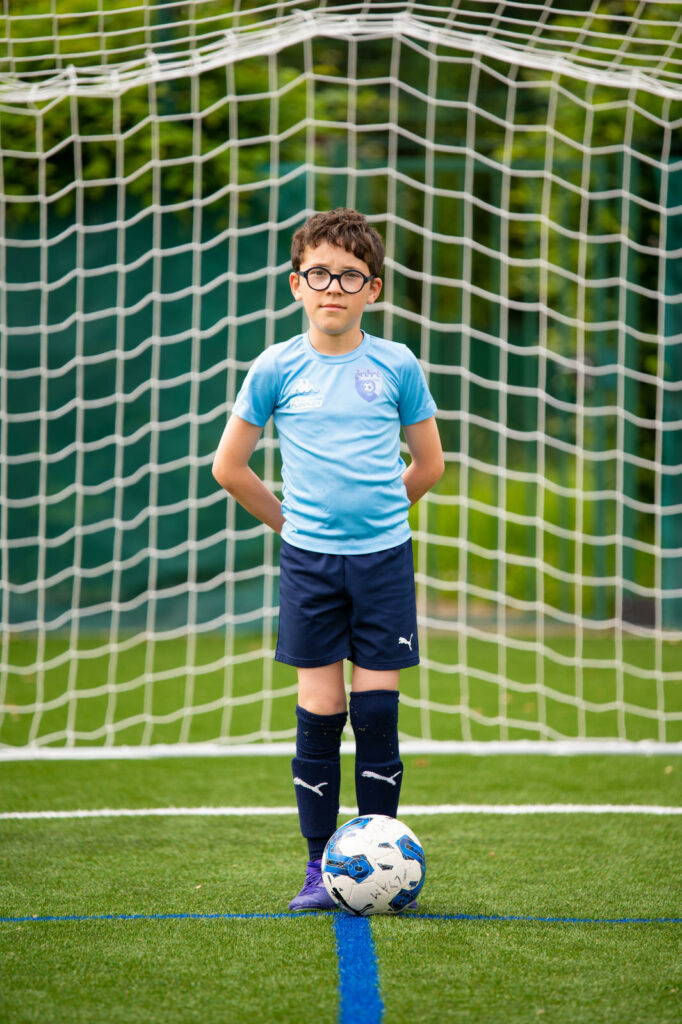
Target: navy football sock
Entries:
(317, 776)
(378, 768)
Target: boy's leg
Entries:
(374, 718)
(321, 714)
(383, 627)
(321, 690)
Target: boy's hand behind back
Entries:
(231, 470)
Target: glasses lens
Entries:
(318, 278)
(352, 281)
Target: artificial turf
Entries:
(479, 949)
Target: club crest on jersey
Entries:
(368, 384)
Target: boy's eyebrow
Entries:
(326, 266)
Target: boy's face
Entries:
(333, 311)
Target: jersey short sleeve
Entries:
(257, 396)
(415, 402)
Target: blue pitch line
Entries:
(548, 920)
(338, 916)
(359, 998)
(150, 916)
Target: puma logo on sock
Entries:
(382, 778)
(315, 789)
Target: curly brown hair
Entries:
(345, 228)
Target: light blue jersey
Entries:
(338, 419)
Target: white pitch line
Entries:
(409, 810)
(282, 748)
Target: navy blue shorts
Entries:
(360, 607)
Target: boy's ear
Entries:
(375, 287)
(295, 285)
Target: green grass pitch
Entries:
(466, 957)
(174, 688)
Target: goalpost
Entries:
(524, 165)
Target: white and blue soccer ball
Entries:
(373, 865)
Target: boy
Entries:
(339, 398)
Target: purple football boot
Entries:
(313, 895)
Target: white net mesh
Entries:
(523, 162)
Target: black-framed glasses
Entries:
(351, 281)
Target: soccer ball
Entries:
(373, 865)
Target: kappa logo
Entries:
(305, 395)
(306, 785)
(369, 384)
(303, 386)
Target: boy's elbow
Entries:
(221, 474)
(438, 469)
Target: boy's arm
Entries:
(427, 465)
(231, 470)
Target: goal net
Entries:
(523, 163)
